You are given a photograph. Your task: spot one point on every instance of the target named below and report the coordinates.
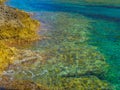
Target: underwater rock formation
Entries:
(83, 83)
(67, 71)
(85, 61)
(8, 84)
(71, 64)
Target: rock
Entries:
(16, 25)
(2, 1)
(6, 54)
(8, 84)
(80, 61)
(83, 83)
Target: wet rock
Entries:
(9, 84)
(83, 83)
(79, 61)
(6, 56)
(15, 24)
(15, 27)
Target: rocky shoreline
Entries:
(15, 27)
(66, 72)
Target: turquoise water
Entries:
(76, 29)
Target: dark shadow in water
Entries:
(93, 11)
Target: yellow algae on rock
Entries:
(18, 25)
(8, 84)
(15, 26)
(82, 83)
(1, 1)
(6, 55)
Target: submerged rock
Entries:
(73, 60)
(74, 65)
(83, 83)
(83, 61)
(8, 84)
(71, 64)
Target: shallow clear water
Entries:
(70, 25)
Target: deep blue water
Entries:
(93, 11)
(106, 26)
